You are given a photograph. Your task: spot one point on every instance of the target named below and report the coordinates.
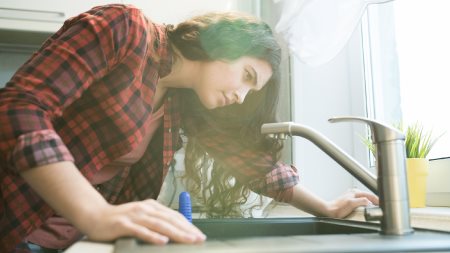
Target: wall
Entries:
(174, 11)
(319, 93)
(11, 58)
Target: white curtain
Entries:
(317, 30)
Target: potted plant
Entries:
(418, 144)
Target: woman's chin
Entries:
(213, 104)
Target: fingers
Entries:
(370, 196)
(164, 221)
(361, 201)
(148, 221)
(144, 234)
(167, 229)
(176, 219)
(346, 207)
(353, 199)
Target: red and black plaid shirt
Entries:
(85, 97)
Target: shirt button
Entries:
(170, 130)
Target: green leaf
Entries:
(418, 142)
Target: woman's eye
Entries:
(248, 76)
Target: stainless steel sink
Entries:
(296, 235)
(244, 228)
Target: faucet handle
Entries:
(380, 132)
(373, 213)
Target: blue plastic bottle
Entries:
(185, 206)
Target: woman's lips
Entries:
(227, 100)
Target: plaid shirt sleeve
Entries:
(258, 170)
(82, 51)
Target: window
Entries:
(407, 65)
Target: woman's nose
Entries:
(241, 94)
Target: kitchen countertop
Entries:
(436, 218)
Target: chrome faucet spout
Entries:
(327, 146)
(390, 184)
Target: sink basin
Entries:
(295, 235)
(242, 228)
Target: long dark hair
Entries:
(225, 36)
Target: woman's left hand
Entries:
(344, 205)
(338, 208)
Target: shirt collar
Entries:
(166, 52)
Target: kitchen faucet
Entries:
(390, 183)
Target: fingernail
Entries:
(202, 237)
(190, 237)
(164, 239)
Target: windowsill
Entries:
(436, 218)
(431, 217)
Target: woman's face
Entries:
(223, 83)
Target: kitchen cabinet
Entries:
(31, 22)
(40, 16)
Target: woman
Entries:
(91, 121)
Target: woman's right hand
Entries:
(146, 220)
